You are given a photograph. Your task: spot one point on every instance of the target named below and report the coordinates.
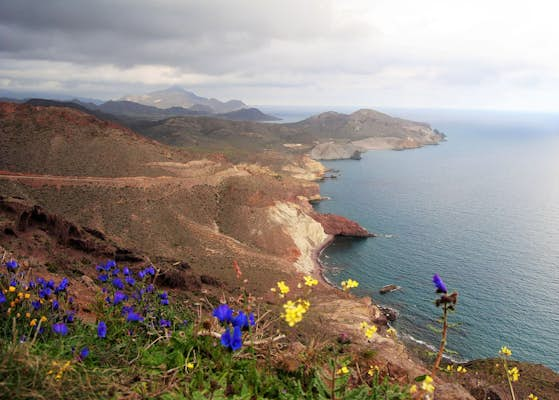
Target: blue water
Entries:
(481, 209)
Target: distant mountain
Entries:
(176, 96)
(21, 97)
(130, 109)
(248, 114)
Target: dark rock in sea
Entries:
(356, 155)
(340, 226)
(390, 313)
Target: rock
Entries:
(340, 226)
(125, 255)
(335, 151)
(390, 313)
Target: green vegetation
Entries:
(139, 345)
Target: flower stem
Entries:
(505, 365)
(443, 342)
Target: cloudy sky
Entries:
(461, 54)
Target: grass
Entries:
(168, 352)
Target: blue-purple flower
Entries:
(119, 298)
(36, 304)
(164, 323)
(2, 297)
(60, 329)
(117, 283)
(223, 313)
(62, 285)
(439, 284)
(234, 342)
(126, 271)
(102, 330)
(12, 265)
(134, 317)
(129, 280)
(83, 353)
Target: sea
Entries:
(480, 209)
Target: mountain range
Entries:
(175, 96)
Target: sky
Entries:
(489, 54)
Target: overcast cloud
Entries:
(475, 54)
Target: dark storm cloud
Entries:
(208, 36)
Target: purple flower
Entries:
(134, 317)
(55, 305)
(84, 353)
(12, 265)
(102, 330)
(150, 270)
(119, 298)
(41, 281)
(60, 329)
(131, 281)
(164, 302)
(62, 285)
(234, 342)
(117, 283)
(223, 313)
(2, 297)
(36, 304)
(127, 309)
(150, 288)
(126, 271)
(241, 320)
(32, 285)
(103, 277)
(50, 284)
(110, 264)
(70, 316)
(164, 323)
(44, 293)
(13, 282)
(141, 274)
(439, 284)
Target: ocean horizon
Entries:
(481, 210)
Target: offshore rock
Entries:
(340, 226)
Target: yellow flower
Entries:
(342, 371)
(18, 315)
(368, 330)
(532, 397)
(283, 288)
(43, 319)
(427, 384)
(294, 311)
(27, 315)
(461, 369)
(391, 332)
(27, 295)
(310, 281)
(20, 295)
(350, 283)
(190, 365)
(12, 289)
(514, 374)
(505, 351)
(33, 322)
(373, 369)
(450, 368)
(413, 389)
(12, 304)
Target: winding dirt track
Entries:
(37, 180)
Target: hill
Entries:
(364, 130)
(176, 96)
